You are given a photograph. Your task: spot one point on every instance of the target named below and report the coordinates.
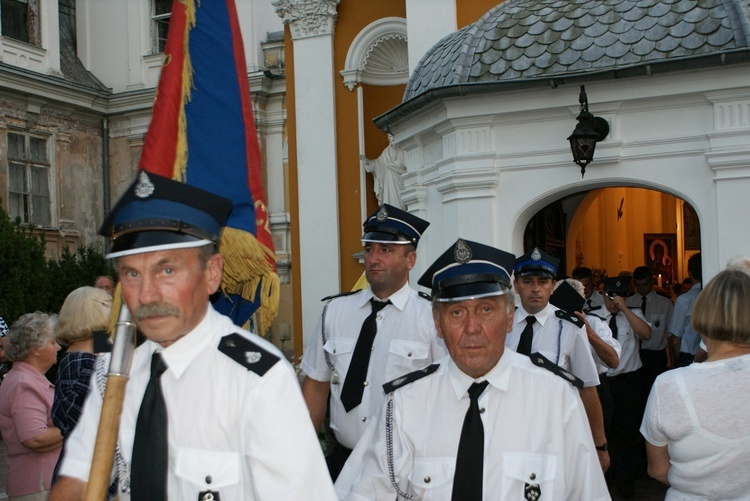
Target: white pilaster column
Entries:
(311, 23)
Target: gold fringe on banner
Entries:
(181, 155)
(246, 267)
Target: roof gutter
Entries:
(421, 101)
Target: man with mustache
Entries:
(484, 423)
(539, 327)
(397, 334)
(211, 411)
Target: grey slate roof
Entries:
(522, 40)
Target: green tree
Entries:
(72, 271)
(30, 282)
(23, 270)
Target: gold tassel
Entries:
(247, 266)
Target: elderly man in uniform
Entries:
(210, 411)
(352, 363)
(485, 422)
(541, 327)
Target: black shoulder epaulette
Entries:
(247, 353)
(424, 295)
(597, 316)
(409, 378)
(593, 308)
(340, 294)
(541, 361)
(570, 318)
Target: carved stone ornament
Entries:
(307, 18)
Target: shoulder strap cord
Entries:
(559, 340)
(323, 336)
(389, 451)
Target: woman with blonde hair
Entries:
(84, 312)
(695, 422)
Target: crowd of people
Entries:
(503, 382)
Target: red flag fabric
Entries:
(203, 133)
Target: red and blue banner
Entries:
(202, 132)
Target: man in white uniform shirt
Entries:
(657, 310)
(485, 422)
(541, 327)
(210, 411)
(352, 362)
(605, 349)
(629, 327)
(594, 298)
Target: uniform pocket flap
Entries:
(412, 350)
(430, 473)
(208, 469)
(529, 468)
(340, 346)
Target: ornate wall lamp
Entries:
(589, 131)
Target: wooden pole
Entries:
(109, 421)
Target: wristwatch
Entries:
(602, 448)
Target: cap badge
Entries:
(536, 255)
(145, 187)
(462, 252)
(382, 214)
(618, 283)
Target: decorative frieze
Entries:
(307, 18)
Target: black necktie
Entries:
(468, 479)
(643, 305)
(351, 393)
(527, 336)
(148, 477)
(613, 325)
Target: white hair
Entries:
(739, 263)
(578, 286)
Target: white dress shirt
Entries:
(658, 315)
(630, 358)
(560, 341)
(535, 431)
(605, 333)
(406, 340)
(231, 430)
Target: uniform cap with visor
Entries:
(391, 225)
(536, 263)
(615, 286)
(469, 270)
(157, 213)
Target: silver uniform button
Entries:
(364, 419)
(481, 411)
(532, 476)
(427, 480)
(408, 354)
(365, 383)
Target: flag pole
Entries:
(114, 394)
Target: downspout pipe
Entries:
(106, 195)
